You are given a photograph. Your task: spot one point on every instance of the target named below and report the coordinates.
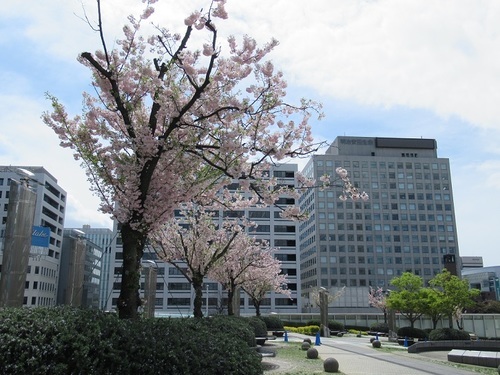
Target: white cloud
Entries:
(437, 56)
(25, 140)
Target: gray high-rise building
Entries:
(408, 224)
(43, 266)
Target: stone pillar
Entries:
(323, 310)
(150, 291)
(17, 244)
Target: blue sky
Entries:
(392, 68)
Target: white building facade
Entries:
(43, 268)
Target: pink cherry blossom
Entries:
(169, 124)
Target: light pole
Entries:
(17, 245)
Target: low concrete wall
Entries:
(480, 345)
(475, 357)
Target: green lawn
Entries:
(296, 360)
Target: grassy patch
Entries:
(296, 358)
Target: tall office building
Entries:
(174, 294)
(43, 265)
(104, 238)
(408, 224)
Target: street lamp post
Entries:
(17, 245)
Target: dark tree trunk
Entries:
(256, 304)
(197, 282)
(230, 297)
(133, 249)
(434, 323)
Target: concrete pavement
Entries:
(357, 356)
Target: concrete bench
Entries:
(480, 345)
(475, 357)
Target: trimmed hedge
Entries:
(443, 334)
(332, 325)
(258, 326)
(380, 327)
(412, 332)
(306, 330)
(273, 323)
(63, 340)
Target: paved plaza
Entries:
(356, 356)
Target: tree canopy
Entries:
(408, 296)
(171, 120)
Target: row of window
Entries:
(387, 238)
(382, 165)
(42, 301)
(374, 260)
(50, 287)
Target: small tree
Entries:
(195, 244)
(377, 298)
(453, 295)
(432, 305)
(246, 265)
(408, 298)
(258, 289)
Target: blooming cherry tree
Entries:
(195, 244)
(171, 121)
(377, 298)
(248, 264)
(257, 289)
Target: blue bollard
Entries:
(318, 339)
(376, 336)
(286, 337)
(406, 342)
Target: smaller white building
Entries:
(486, 279)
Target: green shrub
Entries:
(307, 330)
(273, 323)
(412, 332)
(293, 324)
(313, 323)
(239, 325)
(71, 341)
(357, 332)
(379, 327)
(442, 334)
(258, 326)
(335, 326)
(357, 328)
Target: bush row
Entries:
(273, 323)
(70, 341)
(305, 330)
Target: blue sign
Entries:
(40, 236)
